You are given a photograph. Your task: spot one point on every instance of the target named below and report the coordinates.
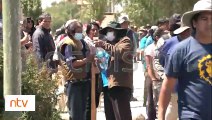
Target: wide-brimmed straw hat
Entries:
(200, 6)
(113, 25)
(181, 29)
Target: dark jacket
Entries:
(42, 44)
(120, 71)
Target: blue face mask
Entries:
(78, 36)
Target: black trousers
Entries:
(117, 103)
(151, 111)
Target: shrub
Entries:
(43, 87)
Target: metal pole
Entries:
(12, 55)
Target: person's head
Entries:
(200, 19)
(173, 23)
(28, 23)
(163, 23)
(157, 34)
(113, 32)
(152, 30)
(44, 20)
(124, 22)
(134, 28)
(92, 30)
(202, 23)
(183, 32)
(142, 32)
(148, 26)
(74, 30)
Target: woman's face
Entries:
(29, 24)
(94, 32)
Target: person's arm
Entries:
(172, 69)
(71, 59)
(149, 66)
(25, 39)
(165, 96)
(38, 47)
(123, 47)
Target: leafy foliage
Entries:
(142, 12)
(95, 9)
(62, 12)
(43, 87)
(31, 8)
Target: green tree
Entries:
(95, 10)
(31, 8)
(142, 12)
(62, 12)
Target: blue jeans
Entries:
(78, 94)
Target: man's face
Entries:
(203, 24)
(164, 26)
(125, 25)
(46, 23)
(185, 34)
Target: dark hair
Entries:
(60, 31)
(158, 33)
(43, 16)
(173, 20)
(25, 21)
(71, 28)
(194, 18)
(162, 21)
(89, 26)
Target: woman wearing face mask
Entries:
(117, 93)
(74, 50)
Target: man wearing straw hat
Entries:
(190, 64)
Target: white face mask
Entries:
(110, 36)
(78, 36)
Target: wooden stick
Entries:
(93, 92)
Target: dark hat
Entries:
(174, 19)
(113, 25)
(173, 22)
(162, 20)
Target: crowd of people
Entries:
(176, 54)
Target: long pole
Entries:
(12, 55)
(93, 92)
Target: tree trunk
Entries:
(12, 55)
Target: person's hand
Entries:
(28, 44)
(26, 36)
(98, 43)
(90, 57)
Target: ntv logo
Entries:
(17, 104)
(20, 103)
